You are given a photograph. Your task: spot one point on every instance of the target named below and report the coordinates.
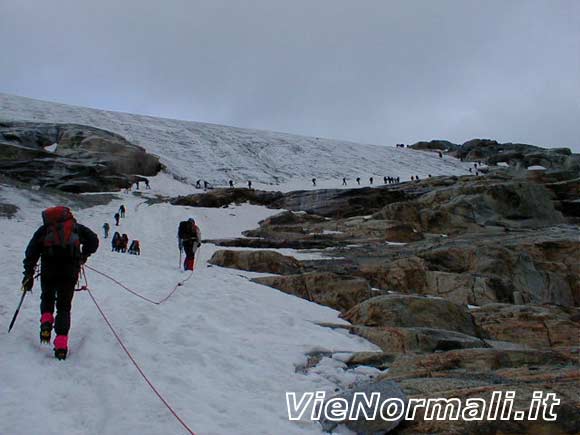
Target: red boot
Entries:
(60, 346)
(46, 321)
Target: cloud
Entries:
(375, 71)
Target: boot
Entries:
(46, 321)
(60, 347)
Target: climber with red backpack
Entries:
(62, 245)
(188, 239)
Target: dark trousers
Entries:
(189, 247)
(58, 290)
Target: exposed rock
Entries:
(291, 218)
(256, 261)
(412, 311)
(524, 381)
(341, 203)
(8, 210)
(474, 205)
(402, 233)
(542, 266)
(86, 159)
(518, 155)
(379, 360)
(415, 340)
(477, 373)
(442, 145)
(266, 243)
(224, 197)
(533, 325)
(475, 360)
(340, 293)
(387, 390)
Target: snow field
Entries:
(222, 350)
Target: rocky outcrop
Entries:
(518, 155)
(256, 261)
(414, 340)
(72, 158)
(412, 311)
(440, 145)
(539, 266)
(223, 197)
(478, 373)
(539, 326)
(475, 360)
(338, 292)
(387, 390)
(474, 205)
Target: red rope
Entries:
(145, 298)
(167, 405)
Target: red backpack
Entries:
(61, 237)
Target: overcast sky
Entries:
(371, 71)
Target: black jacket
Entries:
(65, 265)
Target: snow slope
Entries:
(222, 350)
(193, 150)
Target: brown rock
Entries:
(415, 340)
(412, 311)
(472, 360)
(533, 325)
(256, 261)
(323, 288)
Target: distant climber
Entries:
(314, 182)
(371, 180)
(232, 183)
(117, 217)
(412, 178)
(122, 211)
(344, 181)
(198, 184)
(249, 184)
(106, 228)
(135, 248)
(205, 185)
(188, 240)
(116, 242)
(124, 243)
(62, 245)
(385, 180)
(358, 180)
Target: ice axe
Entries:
(17, 309)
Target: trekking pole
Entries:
(17, 310)
(179, 264)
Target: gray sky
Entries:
(371, 71)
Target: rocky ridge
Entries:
(72, 158)
(467, 284)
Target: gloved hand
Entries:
(27, 283)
